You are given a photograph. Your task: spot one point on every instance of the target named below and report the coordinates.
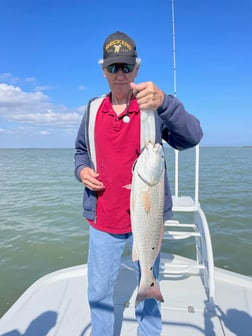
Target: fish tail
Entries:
(149, 291)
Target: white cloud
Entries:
(30, 82)
(35, 108)
(30, 79)
(28, 118)
(13, 96)
(4, 131)
(8, 77)
(82, 88)
(43, 88)
(44, 132)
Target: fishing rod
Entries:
(196, 187)
(175, 92)
(174, 52)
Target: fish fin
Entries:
(134, 253)
(151, 291)
(127, 186)
(147, 200)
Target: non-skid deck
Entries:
(57, 305)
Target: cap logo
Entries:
(117, 48)
(117, 45)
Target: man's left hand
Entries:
(148, 95)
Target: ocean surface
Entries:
(41, 223)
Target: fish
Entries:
(146, 211)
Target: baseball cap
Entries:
(119, 48)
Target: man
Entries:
(107, 145)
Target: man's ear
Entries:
(104, 71)
(137, 68)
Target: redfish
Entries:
(146, 210)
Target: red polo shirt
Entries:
(117, 147)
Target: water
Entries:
(41, 223)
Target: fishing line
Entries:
(129, 99)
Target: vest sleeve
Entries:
(180, 129)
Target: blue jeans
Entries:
(104, 260)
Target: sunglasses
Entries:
(126, 68)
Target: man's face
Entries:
(119, 77)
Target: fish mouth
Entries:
(154, 146)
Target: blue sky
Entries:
(49, 51)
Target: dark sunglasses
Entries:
(126, 68)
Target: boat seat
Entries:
(184, 203)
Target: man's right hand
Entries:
(90, 179)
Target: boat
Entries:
(199, 299)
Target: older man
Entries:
(107, 145)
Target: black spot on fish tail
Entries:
(152, 284)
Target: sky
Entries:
(49, 52)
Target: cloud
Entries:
(43, 87)
(82, 88)
(30, 79)
(35, 108)
(13, 97)
(4, 131)
(44, 132)
(9, 78)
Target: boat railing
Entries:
(197, 228)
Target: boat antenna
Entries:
(174, 52)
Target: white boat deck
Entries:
(57, 304)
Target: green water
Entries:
(41, 223)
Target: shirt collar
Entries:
(107, 106)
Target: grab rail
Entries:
(196, 185)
